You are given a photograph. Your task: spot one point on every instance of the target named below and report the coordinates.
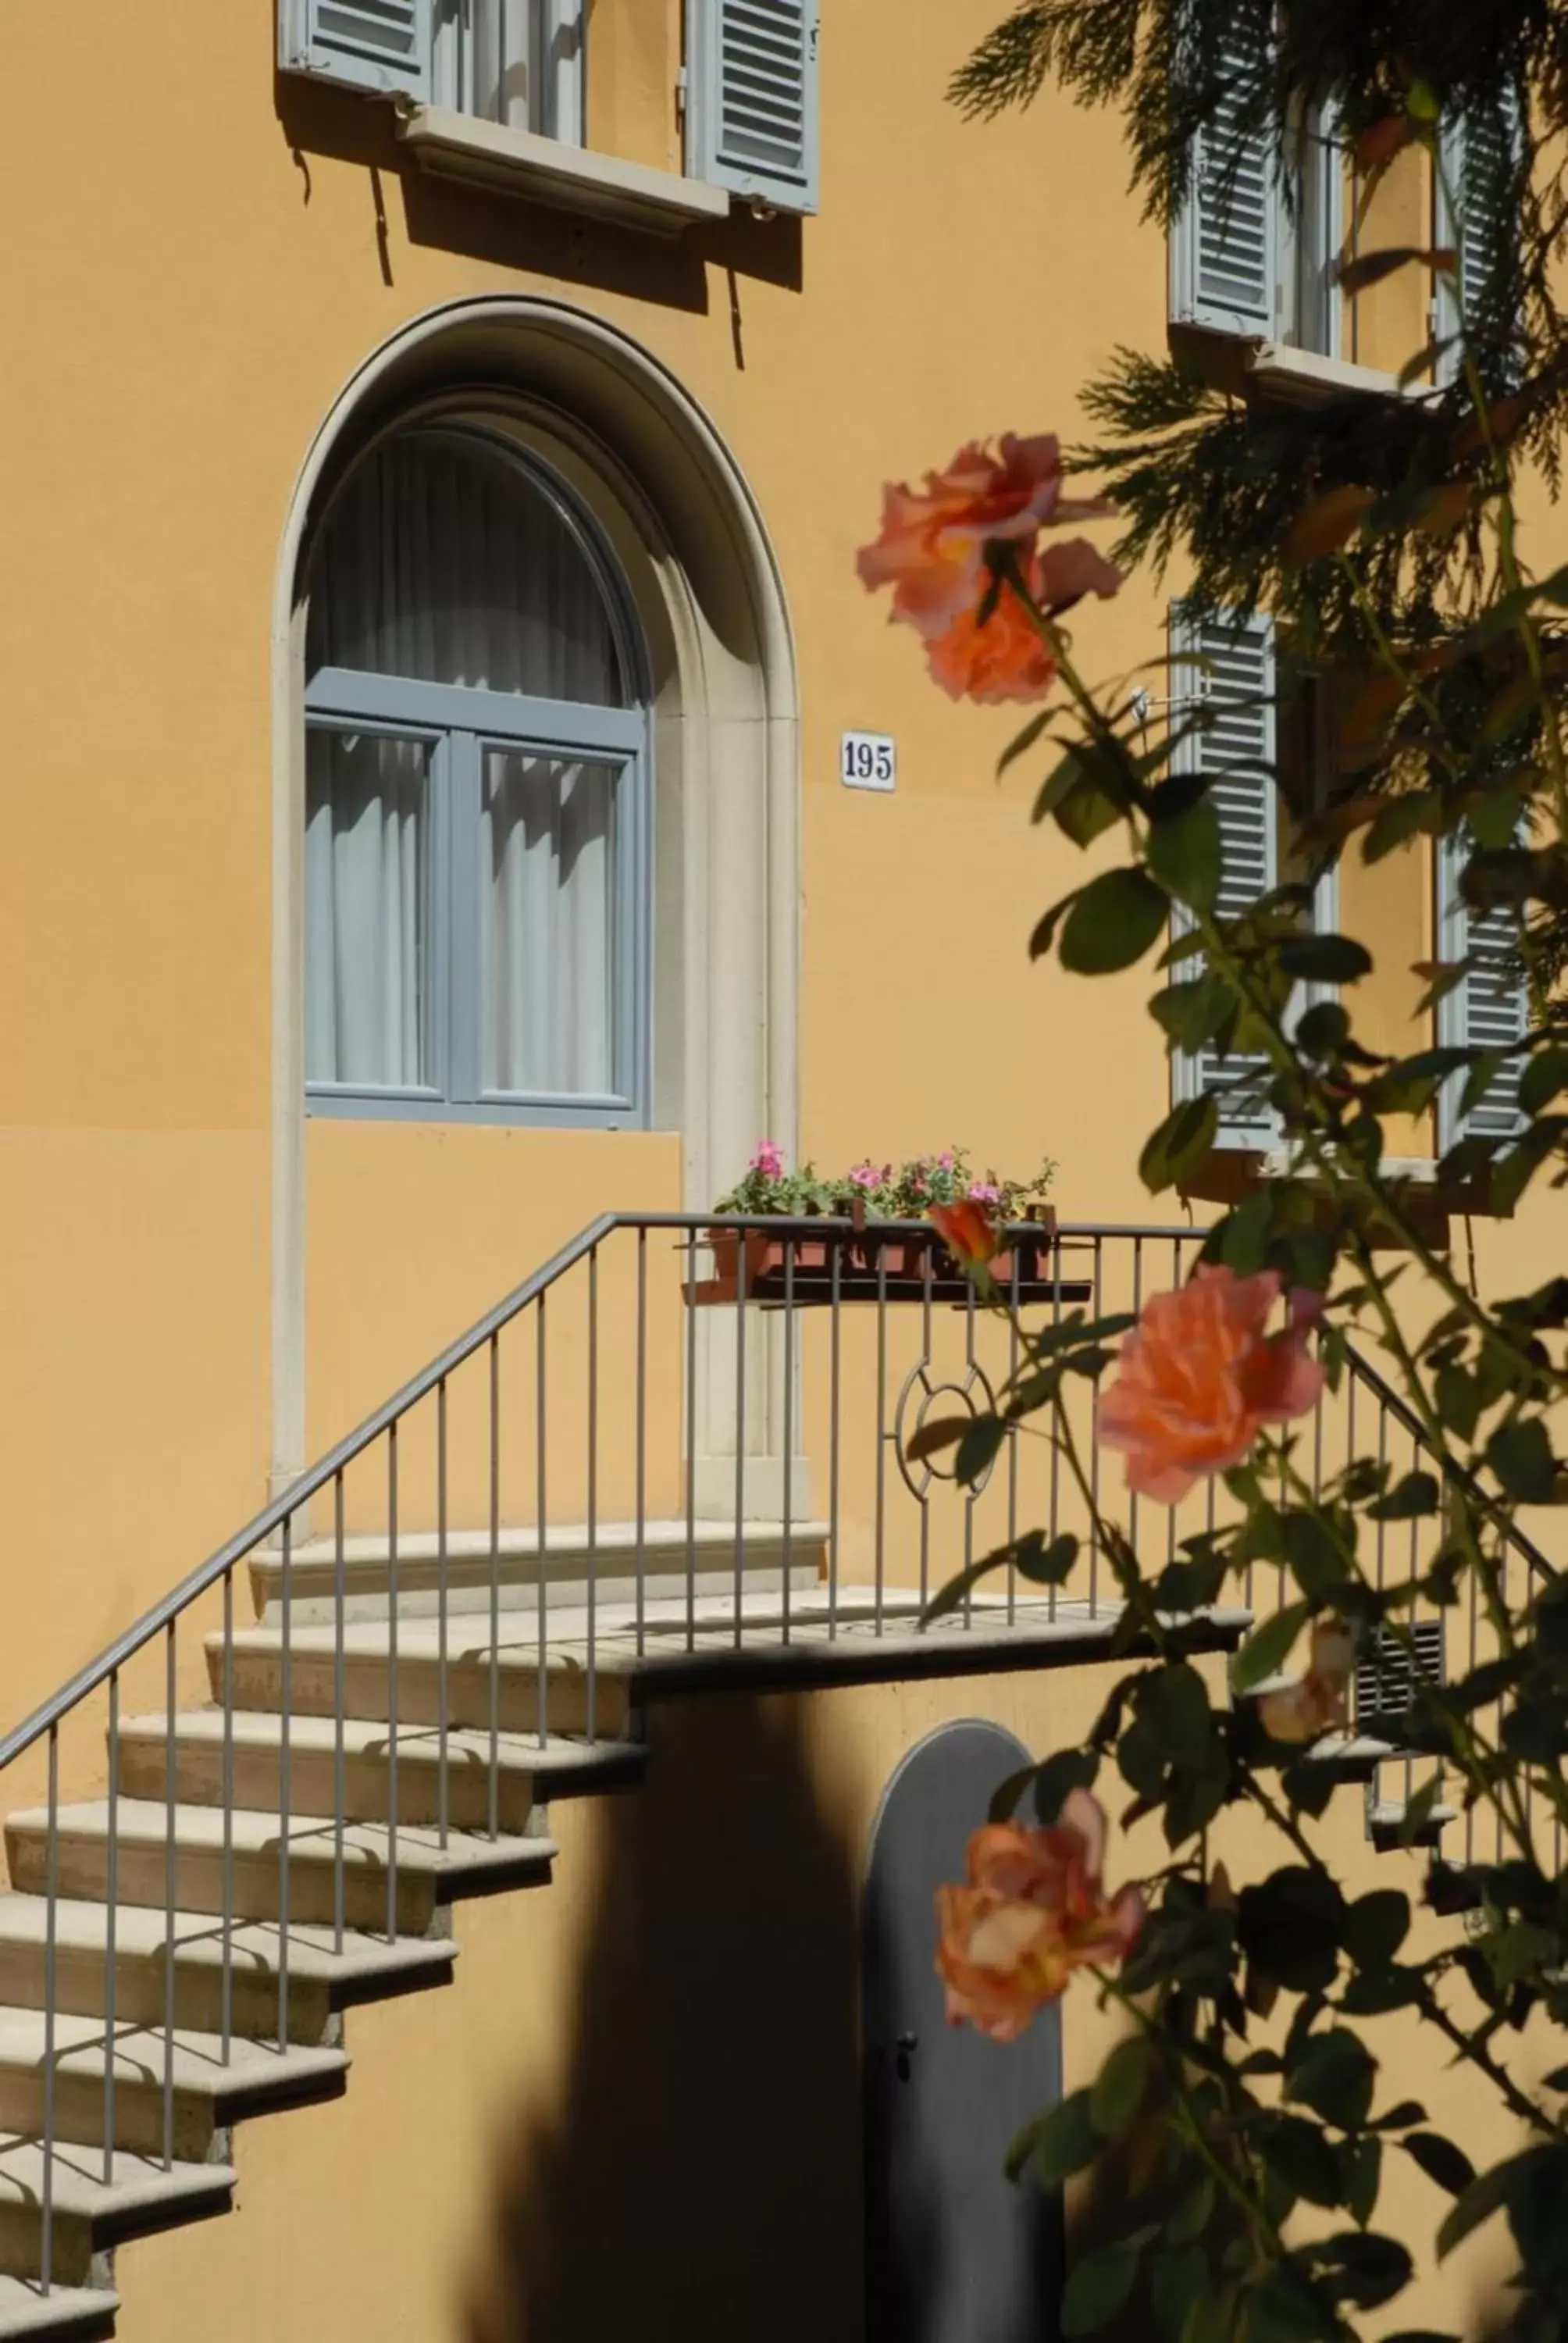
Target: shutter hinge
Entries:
(681, 88)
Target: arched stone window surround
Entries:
(679, 517)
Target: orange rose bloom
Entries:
(1200, 1377)
(931, 550)
(1316, 1703)
(1033, 1910)
(966, 1230)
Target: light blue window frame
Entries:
(460, 724)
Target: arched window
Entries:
(478, 824)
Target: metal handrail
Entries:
(1383, 1391)
(353, 1444)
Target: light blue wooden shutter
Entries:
(1228, 668)
(1489, 1011)
(752, 98)
(1225, 242)
(375, 45)
(1479, 160)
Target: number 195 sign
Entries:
(868, 760)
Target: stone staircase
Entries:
(137, 1889)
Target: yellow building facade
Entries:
(274, 267)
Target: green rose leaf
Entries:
(1097, 2286)
(1118, 2089)
(1114, 922)
(1268, 1647)
(1441, 2160)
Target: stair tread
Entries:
(83, 1926)
(138, 2184)
(665, 1623)
(24, 2310)
(663, 1539)
(416, 1744)
(312, 1838)
(197, 2065)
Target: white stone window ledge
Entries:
(462, 147)
(1306, 378)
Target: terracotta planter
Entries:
(875, 1261)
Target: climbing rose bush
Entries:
(1032, 1910)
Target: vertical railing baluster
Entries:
(1094, 1446)
(542, 1580)
(51, 2003)
(171, 1696)
(1171, 1511)
(836, 1276)
(592, 1687)
(541, 1499)
(225, 1984)
(339, 1719)
(393, 1703)
(640, 1562)
(742, 1291)
(111, 1920)
(1137, 1312)
(927, 1271)
(788, 1421)
(691, 1440)
(1056, 1444)
(970, 1494)
(1013, 1363)
(443, 1596)
(881, 1515)
(284, 1786)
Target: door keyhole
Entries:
(906, 2046)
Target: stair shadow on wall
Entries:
(704, 2179)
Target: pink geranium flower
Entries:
(1200, 1376)
(768, 1159)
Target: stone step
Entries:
(1385, 1826)
(259, 1670)
(89, 2215)
(427, 1875)
(524, 1770)
(206, 2092)
(322, 1980)
(70, 2313)
(662, 1553)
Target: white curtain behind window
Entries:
(550, 919)
(367, 910)
(445, 560)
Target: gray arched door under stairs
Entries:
(955, 2252)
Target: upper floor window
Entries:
(476, 816)
(1259, 248)
(522, 69)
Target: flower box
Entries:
(863, 1260)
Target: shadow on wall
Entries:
(704, 2180)
(507, 230)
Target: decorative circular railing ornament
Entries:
(911, 1413)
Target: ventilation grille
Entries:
(1387, 1671)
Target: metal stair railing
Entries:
(829, 1343)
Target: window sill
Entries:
(1306, 378)
(461, 147)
